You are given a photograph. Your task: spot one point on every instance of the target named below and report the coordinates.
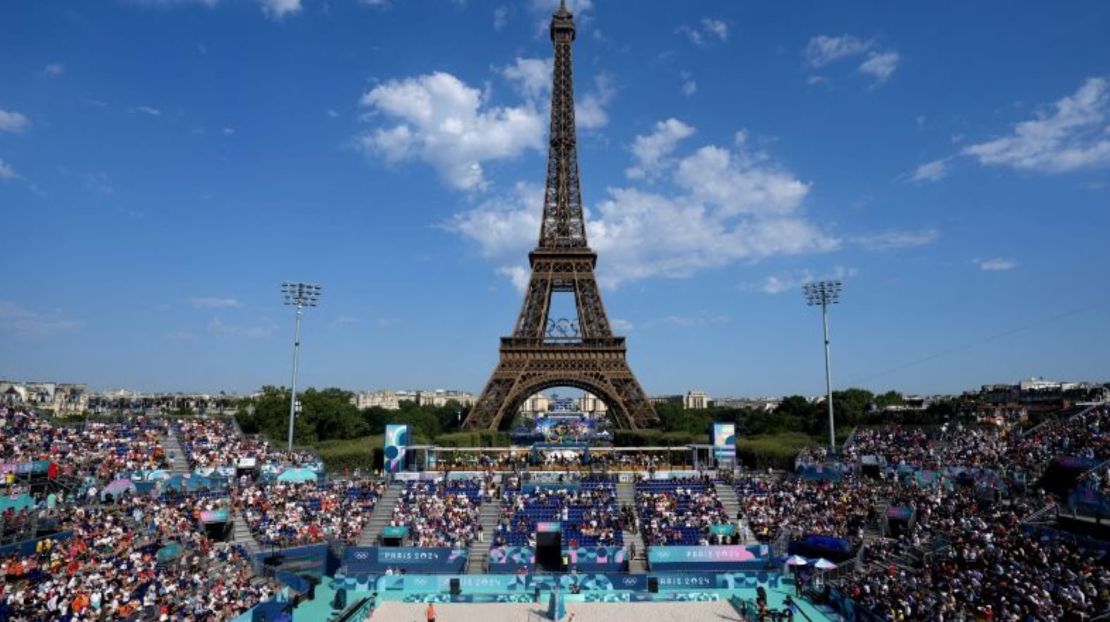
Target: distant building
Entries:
(692, 400)
(1038, 394)
(539, 403)
(62, 399)
(763, 404)
(695, 400)
(390, 399)
(126, 401)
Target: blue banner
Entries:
(724, 441)
(396, 442)
(374, 560)
(709, 557)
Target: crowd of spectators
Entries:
(979, 561)
(215, 442)
(770, 506)
(441, 513)
(110, 568)
(298, 514)
(679, 511)
(588, 512)
(444, 513)
(92, 448)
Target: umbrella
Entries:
(117, 487)
(796, 560)
(169, 552)
(824, 564)
(157, 474)
(297, 476)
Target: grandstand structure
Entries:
(892, 497)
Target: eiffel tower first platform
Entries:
(546, 352)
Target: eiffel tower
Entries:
(546, 352)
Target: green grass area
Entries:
(341, 456)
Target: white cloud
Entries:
(518, 275)
(262, 330)
(589, 110)
(500, 17)
(7, 172)
(706, 31)
(11, 121)
(892, 240)
(997, 264)
(154, 112)
(689, 85)
(728, 205)
(715, 27)
(504, 227)
(621, 326)
(99, 183)
(214, 302)
(787, 281)
(1075, 134)
(687, 321)
(739, 182)
(24, 322)
(531, 77)
(651, 150)
(880, 65)
(54, 70)
(375, 3)
(228, 131)
(931, 171)
(824, 49)
(446, 124)
(278, 9)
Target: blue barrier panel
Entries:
(483, 588)
(27, 547)
(709, 558)
(582, 558)
(311, 560)
(829, 547)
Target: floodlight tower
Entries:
(825, 293)
(298, 295)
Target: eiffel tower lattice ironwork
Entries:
(546, 352)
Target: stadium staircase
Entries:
(727, 494)
(241, 534)
(479, 551)
(379, 517)
(179, 465)
(626, 495)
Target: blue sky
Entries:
(165, 164)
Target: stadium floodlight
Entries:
(298, 295)
(825, 293)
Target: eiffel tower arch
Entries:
(544, 351)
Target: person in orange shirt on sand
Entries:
(431, 613)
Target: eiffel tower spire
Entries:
(543, 351)
(563, 224)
